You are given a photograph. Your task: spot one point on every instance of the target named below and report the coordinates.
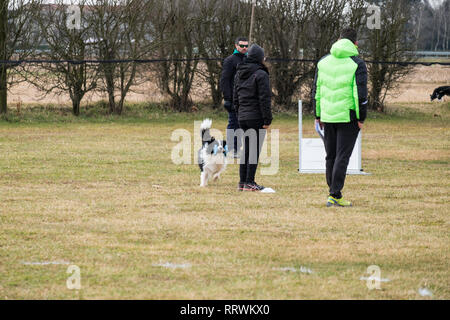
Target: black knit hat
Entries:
(256, 52)
(350, 34)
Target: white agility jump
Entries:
(311, 154)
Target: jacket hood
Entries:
(256, 52)
(344, 48)
(249, 67)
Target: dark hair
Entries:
(240, 39)
(350, 34)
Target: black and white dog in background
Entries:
(438, 93)
(212, 157)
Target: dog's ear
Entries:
(224, 143)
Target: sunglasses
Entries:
(243, 45)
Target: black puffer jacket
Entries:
(252, 94)
(228, 73)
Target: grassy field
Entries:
(103, 194)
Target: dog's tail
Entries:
(205, 126)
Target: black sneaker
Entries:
(253, 186)
(241, 186)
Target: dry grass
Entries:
(107, 198)
(416, 88)
(419, 85)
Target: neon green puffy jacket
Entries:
(336, 91)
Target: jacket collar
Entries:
(236, 52)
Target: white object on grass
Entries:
(45, 263)
(305, 270)
(424, 292)
(301, 269)
(374, 279)
(267, 190)
(286, 269)
(311, 154)
(172, 265)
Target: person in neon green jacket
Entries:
(340, 101)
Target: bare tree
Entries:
(417, 21)
(18, 40)
(173, 27)
(69, 43)
(433, 24)
(282, 28)
(390, 43)
(426, 32)
(301, 29)
(119, 29)
(218, 24)
(441, 23)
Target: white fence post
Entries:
(300, 134)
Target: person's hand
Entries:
(266, 126)
(360, 125)
(320, 123)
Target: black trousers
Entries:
(234, 144)
(253, 139)
(340, 139)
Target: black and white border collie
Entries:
(439, 92)
(212, 157)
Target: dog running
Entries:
(212, 157)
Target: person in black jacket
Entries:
(252, 101)
(227, 84)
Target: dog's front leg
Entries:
(203, 179)
(222, 169)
